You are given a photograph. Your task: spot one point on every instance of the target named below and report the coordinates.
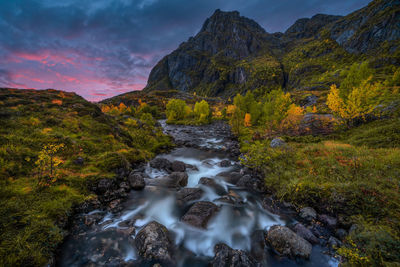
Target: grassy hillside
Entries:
(34, 208)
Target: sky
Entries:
(102, 48)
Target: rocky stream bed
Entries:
(196, 206)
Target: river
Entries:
(239, 222)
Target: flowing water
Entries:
(106, 242)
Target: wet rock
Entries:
(178, 166)
(305, 233)
(341, 233)
(252, 183)
(200, 213)
(161, 164)
(125, 186)
(277, 142)
(258, 245)
(213, 184)
(115, 205)
(329, 221)
(225, 163)
(334, 242)
(181, 178)
(129, 231)
(226, 256)
(186, 195)
(192, 167)
(230, 177)
(88, 205)
(288, 243)
(91, 219)
(153, 242)
(308, 214)
(136, 181)
(320, 231)
(208, 163)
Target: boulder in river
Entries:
(186, 195)
(153, 243)
(161, 164)
(230, 177)
(136, 181)
(226, 256)
(225, 163)
(305, 233)
(200, 213)
(288, 243)
(210, 182)
(178, 166)
(181, 178)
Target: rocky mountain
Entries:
(232, 54)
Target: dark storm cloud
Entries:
(106, 47)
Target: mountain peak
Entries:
(308, 27)
(223, 21)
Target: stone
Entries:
(258, 245)
(161, 164)
(341, 233)
(225, 163)
(181, 178)
(103, 185)
(200, 213)
(328, 221)
(226, 256)
(277, 142)
(129, 231)
(308, 214)
(252, 183)
(192, 167)
(178, 166)
(230, 177)
(79, 161)
(136, 181)
(115, 205)
(153, 243)
(305, 233)
(288, 243)
(91, 219)
(187, 195)
(210, 182)
(334, 242)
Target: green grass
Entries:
(354, 174)
(33, 217)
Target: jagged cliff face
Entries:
(232, 54)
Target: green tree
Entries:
(202, 111)
(275, 107)
(357, 74)
(176, 109)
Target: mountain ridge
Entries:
(232, 54)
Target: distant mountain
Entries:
(234, 54)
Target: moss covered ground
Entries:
(32, 214)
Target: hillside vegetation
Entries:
(53, 146)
